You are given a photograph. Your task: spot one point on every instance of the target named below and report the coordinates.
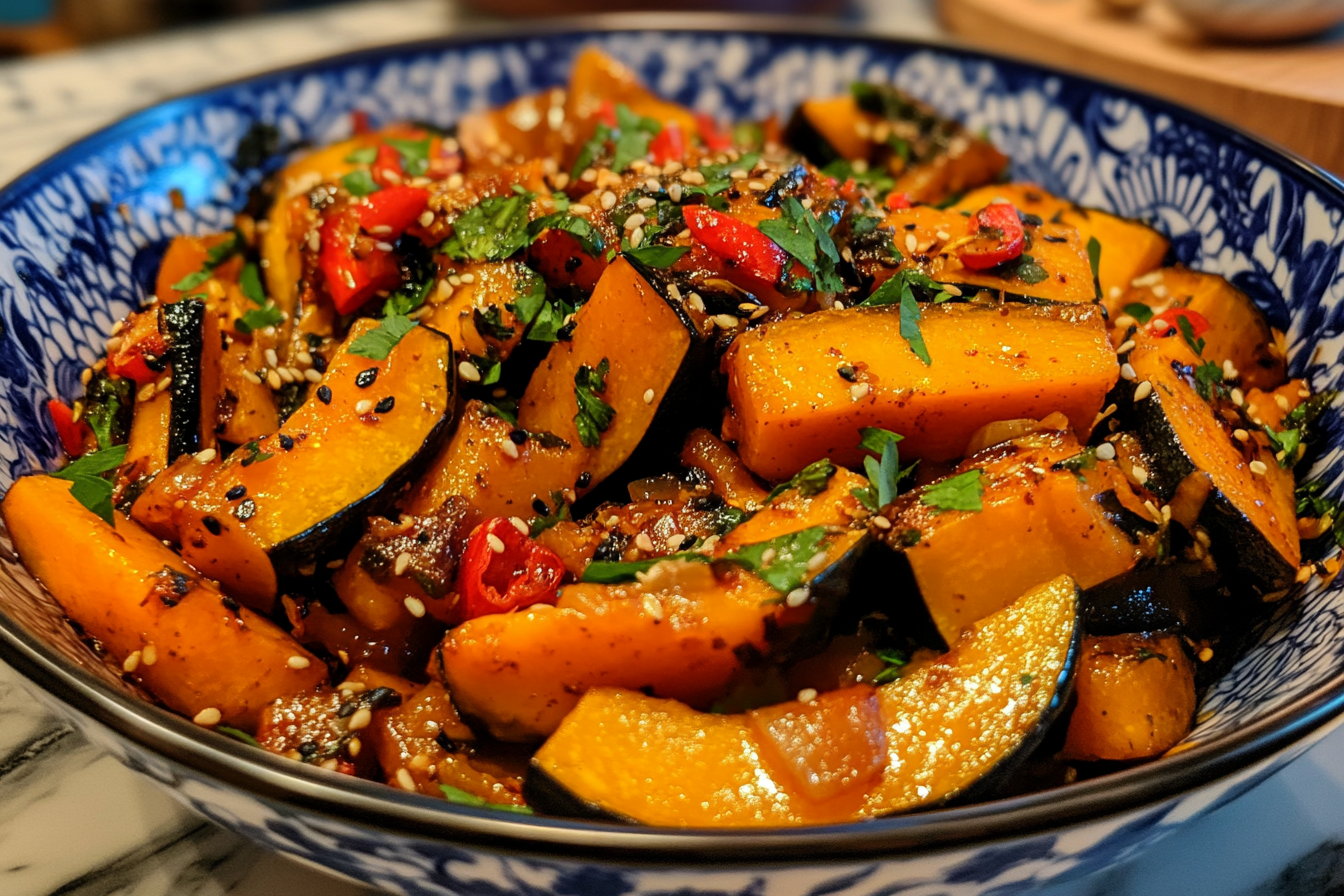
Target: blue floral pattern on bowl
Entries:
(80, 237)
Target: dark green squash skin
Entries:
(334, 536)
(184, 322)
(1237, 543)
(800, 136)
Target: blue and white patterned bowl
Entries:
(80, 236)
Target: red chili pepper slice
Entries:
(352, 280)
(1165, 324)
(606, 113)
(395, 208)
(897, 201)
(75, 437)
(386, 169)
(999, 237)
(497, 581)
(669, 145)
(714, 139)
(737, 242)
(139, 338)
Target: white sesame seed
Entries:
(652, 608)
(1281, 401)
(607, 200)
(146, 393)
(205, 455)
(1166, 513)
(251, 377)
(859, 391)
(1143, 390)
(401, 564)
(383, 246)
(149, 655)
(672, 167)
(1258, 467)
(673, 292)
(510, 450)
(807, 695)
(1238, 397)
(468, 372)
(652, 185)
(636, 237)
(674, 191)
(360, 719)
(312, 376)
(911, 244)
(273, 380)
(304, 358)
(675, 541)
(363, 406)
(756, 185)
(634, 221)
(1127, 371)
(1126, 346)
(208, 717)
(444, 289)
(1303, 574)
(763, 310)
(644, 543)
(336, 564)
(1229, 370)
(132, 662)
(298, 662)
(693, 177)
(806, 203)
(1105, 451)
(767, 556)
(797, 597)
(647, 203)
(519, 524)
(426, 218)
(1149, 279)
(1240, 435)
(580, 208)
(816, 561)
(495, 542)
(272, 360)
(696, 302)
(613, 521)
(1140, 475)
(943, 235)
(454, 280)
(725, 321)
(1206, 654)
(648, 396)
(285, 374)
(353, 746)
(1124, 321)
(415, 606)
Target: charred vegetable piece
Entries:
(952, 728)
(1249, 510)
(957, 560)
(633, 363)
(729, 478)
(326, 726)
(790, 405)
(159, 507)
(173, 631)
(280, 505)
(1136, 697)
(1236, 329)
(185, 324)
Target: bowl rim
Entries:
(378, 808)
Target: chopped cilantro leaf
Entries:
(249, 282)
(802, 235)
(259, 319)
(595, 415)
(462, 798)
(787, 558)
(360, 183)
(191, 281)
(492, 230)
(547, 520)
(611, 572)
(895, 660)
(254, 454)
(1139, 311)
(960, 492)
(365, 155)
(842, 170)
(657, 256)
(1208, 378)
(236, 734)
(414, 154)
(1188, 334)
(884, 471)
(89, 487)
(590, 151)
(531, 296)
(214, 257)
(489, 322)
(809, 481)
(635, 132)
(1094, 259)
(910, 331)
(1285, 444)
(379, 342)
(745, 162)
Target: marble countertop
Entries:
(76, 823)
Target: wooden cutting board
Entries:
(1293, 94)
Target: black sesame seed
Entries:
(230, 604)
(847, 373)
(540, 506)
(308, 749)
(324, 394)
(235, 493)
(585, 479)
(211, 524)
(364, 379)
(518, 437)
(319, 363)
(286, 442)
(385, 405)
(246, 509)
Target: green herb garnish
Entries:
(1094, 259)
(657, 256)
(884, 471)
(414, 154)
(895, 660)
(546, 520)
(781, 562)
(365, 155)
(595, 415)
(634, 133)
(238, 735)
(810, 480)
(377, 343)
(492, 230)
(90, 488)
(960, 492)
(360, 183)
(612, 572)
(1139, 311)
(259, 319)
(803, 236)
(462, 798)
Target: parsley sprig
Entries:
(595, 415)
(803, 236)
(782, 561)
(378, 343)
(960, 492)
(900, 287)
(90, 486)
(491, 230)
(884, 471)
(810, 480)
(265, 314)
(1312, 503)
(215, 256)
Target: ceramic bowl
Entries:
(80, 238)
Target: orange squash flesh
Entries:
(729, 478)
(493, 285)
(598, 83)
(157, 507)
(961, 565)
(147, 446)
(645, 343)
(1238, 331)
(112, 582)
(530, 127)
(1057, 248)
(947, 725)
(830, 746)
(1251, 516)
(1136, 697)
(790, 407)
(1128, 248)
(340, 455)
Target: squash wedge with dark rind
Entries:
(278, 506)
(953, 729)
(960, 563)
(1251, 516)
(128, 590)
(791, 407)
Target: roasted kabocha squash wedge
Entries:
(927, 157)
(172, 630)
(1249, 505)
(280, 505)
(1129, 248)
(1135, 697)
(791, 403)
(1232, 327)
(948, 729)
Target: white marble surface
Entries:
(74, 822)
